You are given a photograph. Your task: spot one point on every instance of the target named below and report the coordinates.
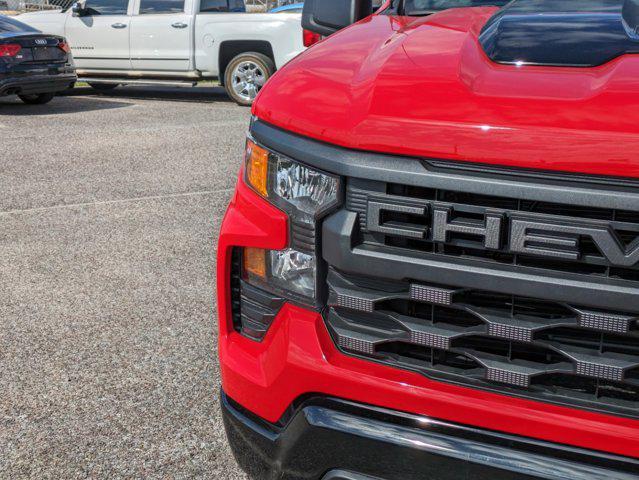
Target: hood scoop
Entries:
(567, 33)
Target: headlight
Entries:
(300, 191)
(304, 194)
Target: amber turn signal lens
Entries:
(257, 168)
(255, 262)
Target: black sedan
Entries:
(33, 66)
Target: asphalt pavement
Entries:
(109, 210)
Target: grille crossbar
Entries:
(407, 225)
(479, 337)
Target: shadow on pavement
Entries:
(13, 106)
(174, 94)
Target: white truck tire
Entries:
(245, 75)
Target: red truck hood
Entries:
(424, 87)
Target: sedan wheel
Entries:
(37, 99)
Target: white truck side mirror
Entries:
(79, 8)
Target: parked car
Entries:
(292, 8)
(169, 42)
(33, 66)
(430, 265)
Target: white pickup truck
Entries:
(118, 42)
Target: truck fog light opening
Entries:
(289, 272)
(294, 269)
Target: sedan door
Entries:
(99, 39)
(162, 37)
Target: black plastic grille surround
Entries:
(552, 351)
(557, 351)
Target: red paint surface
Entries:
(298, 356)
(423, 87)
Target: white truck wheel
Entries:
(245, 76)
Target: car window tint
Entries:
(423, 7)
(161, 6)
(214, 6)
(237, 6)
(13, 26)
(107, 7)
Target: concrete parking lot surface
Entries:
(109, 208)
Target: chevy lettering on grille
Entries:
(509, 231)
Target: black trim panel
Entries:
(325, 435)
(547, 176)
(36, 85)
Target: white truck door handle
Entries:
(119, 25)
(179, 25)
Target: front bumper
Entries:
(325, 438)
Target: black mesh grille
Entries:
(556, 352)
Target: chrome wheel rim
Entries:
(247, 79)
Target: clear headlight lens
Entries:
(307, 190)
(300, 191)
(303, 193)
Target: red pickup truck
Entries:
(430, 266)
